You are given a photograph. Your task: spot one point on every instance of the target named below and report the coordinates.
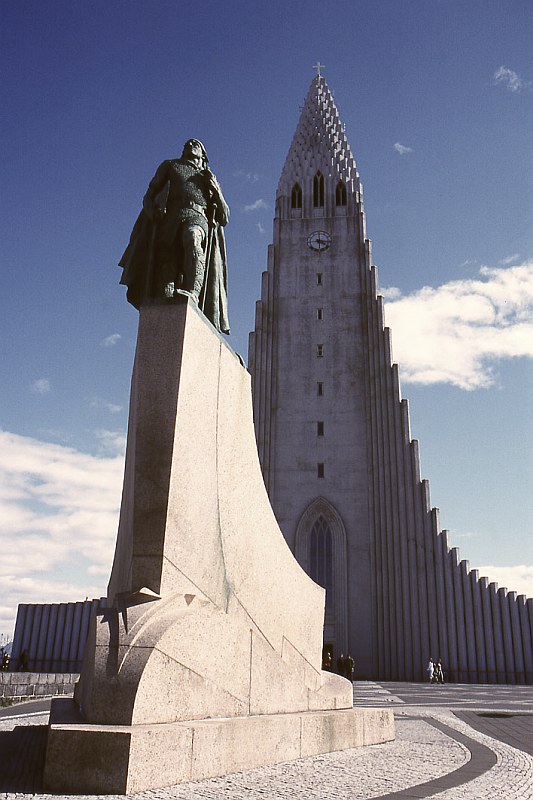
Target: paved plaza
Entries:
(453, 742)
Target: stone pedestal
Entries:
(208, 658)
(115, 759)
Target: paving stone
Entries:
(421, 753)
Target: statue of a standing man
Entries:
(177, 244)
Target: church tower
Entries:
(333, 435)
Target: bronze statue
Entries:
(177, 244)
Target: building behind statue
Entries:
(333, 434)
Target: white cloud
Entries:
(509, 259)
(59, 510)
(260, 228)
(250, 177)
(41, 386)
(516, 579)
(105, 405)
(256, 206)
(507, 77)
(391, 293)
(112, 442)
(457, 332)
(112, 340)
(402, 149)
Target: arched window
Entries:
(340, 194)
(318, 190)
(321, 558)
(320, 548)
(296, 196)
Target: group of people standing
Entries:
(435, 671)
(345, 665)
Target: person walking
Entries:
(439, 673)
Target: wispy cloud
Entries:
(510, 79)
(59, 511)
(41, 386)
(390, 293)
(104, 405)
(260, 228)
(111, 442)
(505, 262)
(112, 340)
(402, 149)
(457, 332)
(516, 579)
(250, 177)
(258, 205)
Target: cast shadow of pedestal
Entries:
(22, 753)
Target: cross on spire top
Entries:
(318, 66)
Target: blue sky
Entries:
(437, 99)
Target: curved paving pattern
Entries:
(482, 758)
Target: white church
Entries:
(333, 433)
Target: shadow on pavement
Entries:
(22, 752)
(512, 728)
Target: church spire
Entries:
(319, 145)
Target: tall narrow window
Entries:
(320, 388)
(296, 196)
(321, 558)
(319, 279)
(320, 428)
(319, 350)
(318, 190)
(320, 314)
(320, 470)
(340, 194)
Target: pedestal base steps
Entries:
(123, 759)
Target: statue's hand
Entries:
(212, 182)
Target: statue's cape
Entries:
(136, 259)
(215, 304)
(138, 265)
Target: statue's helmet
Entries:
(199, 144)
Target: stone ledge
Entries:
(31, 684)
(96, 759)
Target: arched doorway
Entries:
(320, 548)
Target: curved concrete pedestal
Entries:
(209, 615)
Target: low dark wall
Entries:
(25, 685)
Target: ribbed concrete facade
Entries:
(53, 635)
(333, 434)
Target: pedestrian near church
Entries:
(430, 669)
(439, 672)
(23, 662)
(349, 665)
(341, 664)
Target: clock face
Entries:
(319, 240)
